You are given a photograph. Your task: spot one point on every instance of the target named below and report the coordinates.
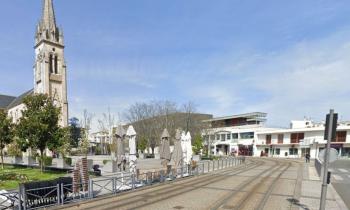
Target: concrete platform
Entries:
(263, 183)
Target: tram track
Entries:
(254, 183)
(262, 203)
(178, 189)
(223, 202)
(171, 189)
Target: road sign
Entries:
(333, 155)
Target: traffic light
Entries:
(334, 127)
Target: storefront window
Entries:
(278, 151)
(346, 152)
(293, 151)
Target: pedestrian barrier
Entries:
(61, 191)
(9, 200)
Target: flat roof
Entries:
(255, 116)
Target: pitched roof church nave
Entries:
(50, 73)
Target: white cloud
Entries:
(302, 80)
(306, 79)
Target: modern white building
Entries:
(234, 134)
(301, 138)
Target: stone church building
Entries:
(50, 74)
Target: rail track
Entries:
(261, 173)
(166, 191)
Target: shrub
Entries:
(197, 144)
(98, 151)
(68, 160)
(215, 157)
(14, 150)
(109, 148)
(47, 161)
(207, 158)
(105, 162)
(142, 144)
(13, 177)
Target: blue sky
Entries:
(288, 58)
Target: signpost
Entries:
(330, 133)
(333, 155)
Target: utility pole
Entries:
(330, 131)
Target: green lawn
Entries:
(11, 176)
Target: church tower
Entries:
(49, 68)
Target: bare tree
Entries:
(86, 125)
(149, 119)
(189, 108)
(105, 126)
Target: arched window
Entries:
(50, 64)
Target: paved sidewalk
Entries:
(311, 191)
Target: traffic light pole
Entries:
(326, 162)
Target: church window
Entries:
(50, 64)
(56, 65)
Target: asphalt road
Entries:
(341, 179)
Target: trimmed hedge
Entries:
(47, 161)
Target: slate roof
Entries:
(5, 101)
(17, 101)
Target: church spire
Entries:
(47, 29)
(48, 19)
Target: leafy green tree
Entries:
(75, 131)
(38, 127)
(197, 144)
(142, 144)
(64, 138)
(6, 133)
(84, 143)
(13, 149)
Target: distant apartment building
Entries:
(234, 134)
(301, 138)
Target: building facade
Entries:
(50, 73)
(303, 137)
(234, 134)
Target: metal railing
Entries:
(63, 193)
(9, 200)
